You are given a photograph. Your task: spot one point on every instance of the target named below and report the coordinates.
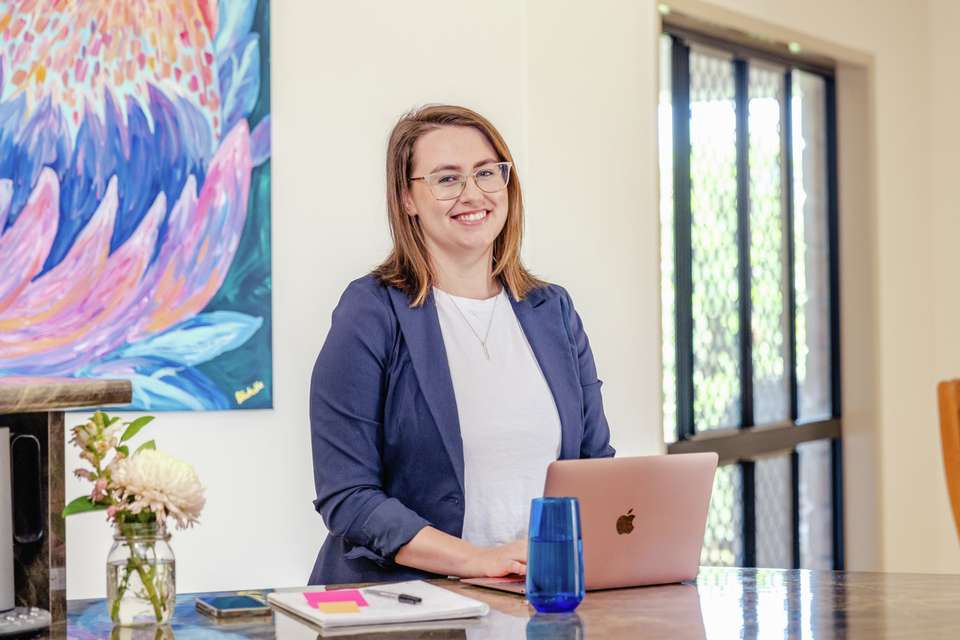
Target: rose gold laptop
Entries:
(643, 519)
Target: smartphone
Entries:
(232, 606)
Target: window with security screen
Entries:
(748, 212)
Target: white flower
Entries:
(160, 483)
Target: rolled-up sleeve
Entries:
(346, 421)
(596, 431)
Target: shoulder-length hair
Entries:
(408, 266)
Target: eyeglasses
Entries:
(447, 185)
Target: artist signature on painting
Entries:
(242, 395)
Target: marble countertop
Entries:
(28, 395)
(722, 603)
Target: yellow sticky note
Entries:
(339, 607)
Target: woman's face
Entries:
(466, 226)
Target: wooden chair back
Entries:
(948, 393)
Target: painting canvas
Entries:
(135, 197)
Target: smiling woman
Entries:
(428, 153)
(451, 376)
(460, 215)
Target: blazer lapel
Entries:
(421, 330)
(541, 318)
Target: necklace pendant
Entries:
(485, 352)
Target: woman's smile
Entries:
(471, 218)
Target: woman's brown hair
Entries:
(408, 266)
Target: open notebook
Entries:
(336, 608)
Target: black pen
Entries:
(405, 598)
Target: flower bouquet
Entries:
(139, 491)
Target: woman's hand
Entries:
(438, 552)
(494, 562)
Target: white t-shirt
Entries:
(508, 419)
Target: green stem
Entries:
(115, 606)
(146, 578)
(151, 590)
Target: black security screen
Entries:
(750, 297)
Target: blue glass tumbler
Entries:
(555, 555)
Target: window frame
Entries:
(742, 444)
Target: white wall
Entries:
(943, 288)
(572, 86)
(591, 184)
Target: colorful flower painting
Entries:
(135, 197)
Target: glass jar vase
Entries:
(141, 580)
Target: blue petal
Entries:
(239, 74)
(176, 389)
(260, 142)
(234, 19)
(29, 141)
(161, 385)
(145, 158)
(198, 339)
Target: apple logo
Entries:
(625, 523)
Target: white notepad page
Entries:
(436, 603)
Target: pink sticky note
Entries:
(314, 598)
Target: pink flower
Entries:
(80, 436)
(99, 490)
(163, 274)
(101, 447)
(85, 474)
(112, 467)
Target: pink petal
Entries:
(25, 246)
(99, 323)
(202, 239)
(64, 287)
(128, 297)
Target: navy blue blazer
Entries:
(387, 452)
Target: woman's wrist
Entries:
(472, 561)
(438, 552)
